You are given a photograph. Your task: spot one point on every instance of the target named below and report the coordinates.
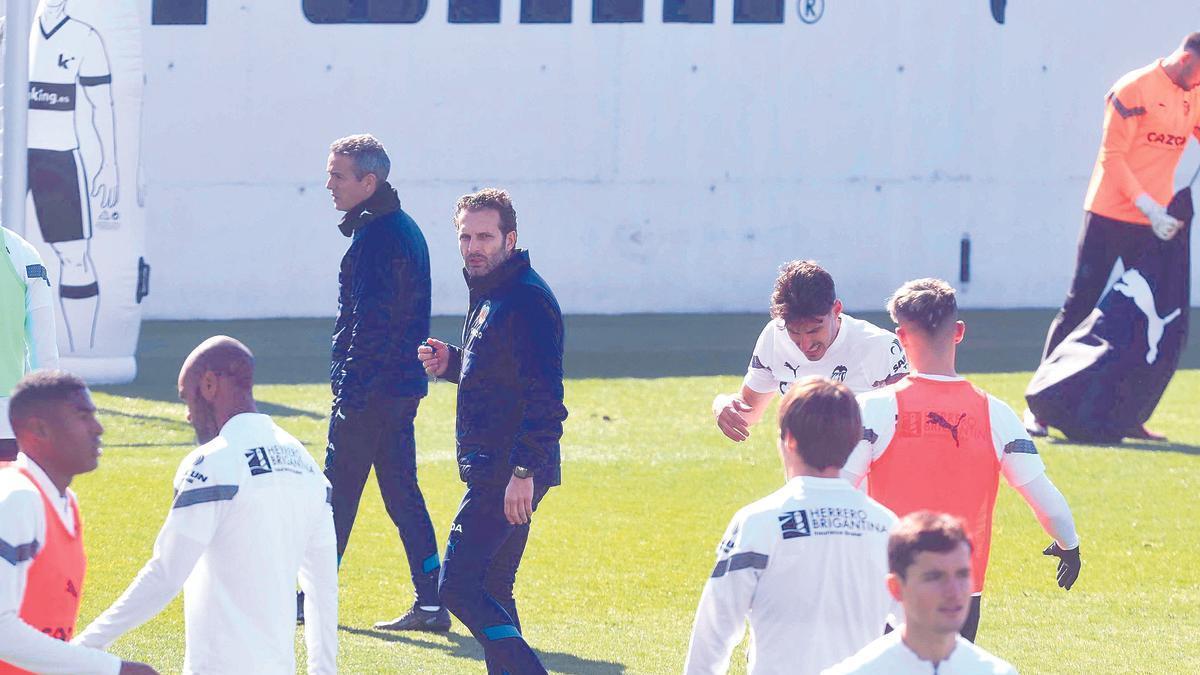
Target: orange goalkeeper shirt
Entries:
(1147, 120)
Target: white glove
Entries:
(1164, 225)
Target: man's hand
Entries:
(1165, 226)
(434, 356)
(729, 411)
(135, 668)
(518, 500)
(104, 185)
(1068, 564)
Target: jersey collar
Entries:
(937, 378)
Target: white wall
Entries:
(654, 167)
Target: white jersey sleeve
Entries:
(203, 493)
(318, 580)
(885, 359)
(93, 67)
(40, 339)
(878, 410)
(1019, 458)
(760, 374)
(22, 532)
(725, 601)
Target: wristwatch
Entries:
(522, 472)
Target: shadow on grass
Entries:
(465, 646)
(1140, 446)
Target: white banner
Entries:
(85, 211)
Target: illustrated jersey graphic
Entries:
(62, 59)
(67, 60)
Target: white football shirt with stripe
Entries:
(862, 356)
(41, 348)
(62, 58)
(250, 515)
(807, 565)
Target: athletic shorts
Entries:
(60, 195)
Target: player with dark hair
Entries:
(1148, 116)
(250, 516)
(937, 442)
(806, 563)
(42, 560)
(929, 573)
(808, 334)
(507, 427)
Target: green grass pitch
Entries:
(619, 553)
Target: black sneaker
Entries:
(299, 608)
(437, 621)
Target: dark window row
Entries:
(195, 12)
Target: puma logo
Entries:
(935, 418)
(1135, 287)
(792, 368)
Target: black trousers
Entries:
(381, 435)
(1101, 242)
(483, 552)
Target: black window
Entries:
(545, 11)
(179, 12)
(474, 11)
(687, 11)
(758, 11)
(364, 11)
(617, 11)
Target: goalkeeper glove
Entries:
(1068, 564)
(1164, 225)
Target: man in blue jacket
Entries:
(510, 415)
(383, 314)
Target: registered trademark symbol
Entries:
(810, 11)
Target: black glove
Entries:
(1068, 564)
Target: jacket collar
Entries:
(508, 270)
(381, 203)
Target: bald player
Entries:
(937, 442)
(42, 562)
(251, 514)
(1149, 114)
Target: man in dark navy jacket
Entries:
(510, 415)
(383, 314)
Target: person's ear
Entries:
(894, 586)
(209, 383)
(837, 308)
(960, 329)
(370, 181)
(510, 241)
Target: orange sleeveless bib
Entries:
(55, 581)
(942, 458)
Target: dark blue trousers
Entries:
(483, 552)
(381, 435)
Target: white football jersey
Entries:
(862, 356)
(890, 656)
(62, 59)
(251, 514)
(807, 566)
